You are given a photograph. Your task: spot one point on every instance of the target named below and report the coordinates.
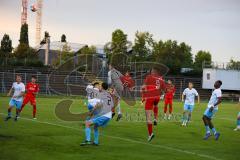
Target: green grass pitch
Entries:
(51, 138)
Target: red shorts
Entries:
(30, 99)
(168, 101)
(151, 102)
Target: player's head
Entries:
(18, 78)
(127, 73)
(34, 79)
(104, 86)
(190, 85)
(96, 85)
(217, 84)
(169, 81)
(110, 66)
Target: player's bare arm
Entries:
(182, 97)
(198, 99)
(10, 92)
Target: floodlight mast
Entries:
(24, 12)
(38, 22)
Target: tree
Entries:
(233, 64)
(6, 45)
(118, 44)
(142, 44)
(63, 55)
(63, 38)
(202, 56)
(87, 50)
(23, 51)
(46, 35)
(175, 56)
(24, 35)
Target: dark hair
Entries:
(18, 75)
(33, 76)
(219, 82)
(104, 86)
(95, 83)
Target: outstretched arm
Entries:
(182, 97)
(10, 92)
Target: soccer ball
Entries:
(33, 8)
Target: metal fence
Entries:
(74, 84)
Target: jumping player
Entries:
(92, 94)
(104, 115)
(190, 93)
(168, 99)
(238, 123)
(18, 89)
(32, 89)
(114, 80)
(151, 90)
(212, 108)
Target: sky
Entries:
(211, 25)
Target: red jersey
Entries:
(154, 85)
(127, 81)
(32, 89)
(169, 91)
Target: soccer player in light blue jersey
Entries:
(212, 108)
(238, 123)
(104, 110)
(18, 89)
(189, 93)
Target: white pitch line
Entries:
(128, 140)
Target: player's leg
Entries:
(33, 103)
(9, 114)
(165, 108)
(87, 141)
(118, 93)
(149, 124)
(191, 107)
(238, 123)
(148, 110)
(25, 101)
(119, 110)
(185, 115)
(170, 108)
(155, 110)
(206, 123)
(99, 122)
(210, 115)
(18, 105)
(96, 135)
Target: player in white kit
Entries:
(18, 89)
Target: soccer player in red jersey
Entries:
(151, 92)
(32, 88)
(168, 98)
(127, 81)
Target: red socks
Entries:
(155, 111)
(34, 111)
(165, 108)
(170, 108)
(150, 128)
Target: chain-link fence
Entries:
(74, 84)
